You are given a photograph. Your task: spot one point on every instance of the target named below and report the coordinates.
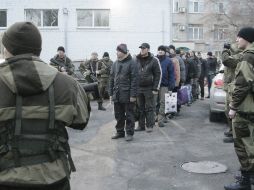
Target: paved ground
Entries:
(151, 161)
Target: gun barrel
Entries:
(90, 87)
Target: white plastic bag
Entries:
(170, 102)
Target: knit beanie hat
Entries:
(210, 53)
(61, 48)
(21, 38)
(105, 54)
(172, 47)
(247, 33)
(162, 47)
(122, 48)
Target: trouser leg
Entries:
(243, 142)
(141, 105)
(162, 92)
(202, 87)
(149, 113)
(130, 120)
(120, 117)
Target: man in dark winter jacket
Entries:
(37, 103)
(182, 67)
(149, 85)
(212, 65)
(61, 62)
(167, 81)
(203, 75)
(123, 86)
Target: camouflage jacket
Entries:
(243, 89)
(65, 62)
(230, 59)
(29, 77)
(89, 65)
(103, 67)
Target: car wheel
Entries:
(213, 117)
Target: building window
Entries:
(196, 6)
(3, 18)
(93, 18)
(195, 32)
(175, 31)
(42, 18)
(176, 6)
(220, 8)
(220, 32)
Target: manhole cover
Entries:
(204, 167)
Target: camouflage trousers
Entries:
(102, 87)
(227, 101)
(243, 134)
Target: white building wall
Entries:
(131, 22)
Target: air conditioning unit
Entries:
(181, 27)
(182, 9)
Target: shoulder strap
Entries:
(17, 132)
(51, 107)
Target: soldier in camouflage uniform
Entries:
(61, 62)
(231, 56)
(242, 110)
(103, 72)
(37, 104)
(90, 69)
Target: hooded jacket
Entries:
(30, 78)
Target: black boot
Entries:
(118, 135)
(228, 140)
(100, 107)
(228, 134)
(140, 128)
(241, 184)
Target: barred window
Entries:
(42, 18)
(93, 18)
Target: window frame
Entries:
(4, 27)
(174, 6)
(192, 3)
(42, 19)
(219, 29)
(93, 19)
(199, 28)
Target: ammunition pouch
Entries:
(26, 142)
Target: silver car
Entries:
(217, 97)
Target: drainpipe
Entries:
(65, 15)
(170, 7)
(163, 26)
